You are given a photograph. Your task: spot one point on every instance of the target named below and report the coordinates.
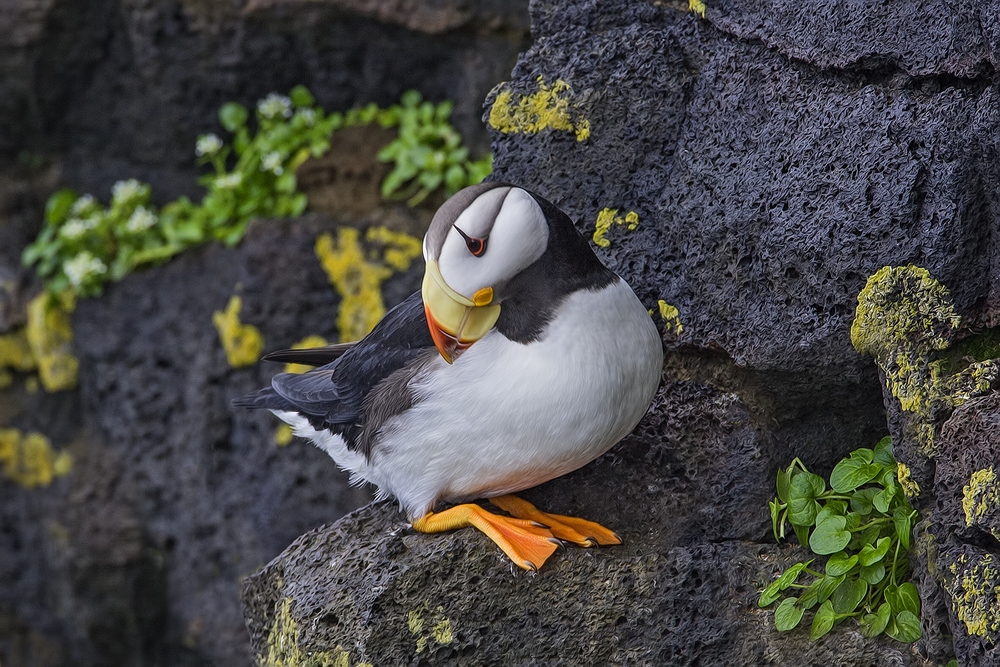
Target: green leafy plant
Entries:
(84, 244)
(862, 524)
(428, 153)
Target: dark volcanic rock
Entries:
(776, 158)
(123, 87)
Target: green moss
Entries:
(50, 337)
(905, 319)
(549, 108)
(671, 317)
(975, 593)
(29, 459)
(243, 343)
(980, 496)
(358, 275)
(283, 648)
(608, 217)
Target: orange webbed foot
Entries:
(580, 532)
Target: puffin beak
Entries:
(455, 321)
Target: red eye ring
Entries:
(477, 246)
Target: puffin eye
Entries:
(475, 245)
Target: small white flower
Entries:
(232, 180)
(272, 162)
(82, 204)
(74, 228)
(125, 191)
(82, 267)
(308, 115)
(275, 105)
(140, 220)
(207, 144)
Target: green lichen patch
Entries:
(697, 7)
(548, 108)
(906, 481)
(974, 588)
(608, 217)
(905, 319)
(243, 343)
(981, 496)
(28, 459)
(357, 272)
(283, 648)
(50, 337)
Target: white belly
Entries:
(506, 416)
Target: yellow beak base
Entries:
(455, 322)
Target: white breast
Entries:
(507, 416)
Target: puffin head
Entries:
(478, 242)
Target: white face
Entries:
(513, 232)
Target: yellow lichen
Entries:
(981, 495)
(909, 485)
(50, 337)
(976, 597)
(904, 318)
(399, 249)
(671, 317)
(358, 277)
(441, 632)
(15, 352)
(29, 460)
(304, 344)
(283, 435)
(283, 648)
(243, 343)
(549, 108)
(608, 217)
(697, 7)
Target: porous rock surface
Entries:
(776, 157)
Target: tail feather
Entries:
(266, 398)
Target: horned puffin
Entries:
(522, 358)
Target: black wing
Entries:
(331, 396)
(313, 356)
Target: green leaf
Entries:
(840, 563)
(873, 574)
(862, 454)
(822, 621)
(829, 536)
(903, 526)
(905, 627)
(58, 206)
(861, 501)
(883, 498)
(233, 116)
(802, 533)
(873, 625)
(883, 454)
(776, 508)
(873, 554)
(787, 615)
(827, 586)
(909, 599)
(769, 595)
(784, 480)
(789, 576)
(851, 473)
(301, 97)
(849, 595)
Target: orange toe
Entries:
(581, 532)
(527, 543)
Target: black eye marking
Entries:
(475, 245)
